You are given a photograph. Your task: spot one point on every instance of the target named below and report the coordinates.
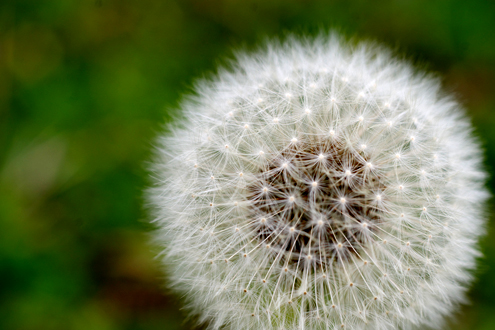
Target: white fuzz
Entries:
(317, 185)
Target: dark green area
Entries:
(85, 86)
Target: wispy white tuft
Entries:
(318, 185)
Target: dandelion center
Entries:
(325, 222)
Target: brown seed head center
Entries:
(316, 202)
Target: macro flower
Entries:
(319, 184)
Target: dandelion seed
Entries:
(318, 224)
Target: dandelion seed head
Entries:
(331, 217)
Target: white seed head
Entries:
(334, 240)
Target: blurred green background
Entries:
(86, 85)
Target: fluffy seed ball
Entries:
(318, 185)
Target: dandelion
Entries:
(319, 185)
